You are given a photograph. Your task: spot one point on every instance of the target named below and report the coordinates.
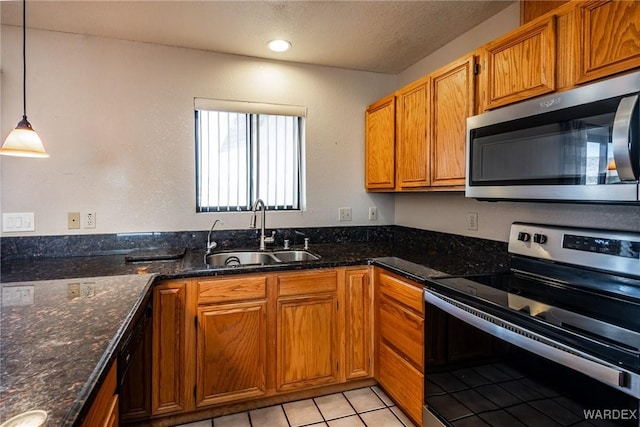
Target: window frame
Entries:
(252, 113)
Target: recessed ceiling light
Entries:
(279, 45)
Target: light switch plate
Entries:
(20, 221)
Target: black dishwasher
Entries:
(134, 367)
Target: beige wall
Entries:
(117, 120)
(448, 212)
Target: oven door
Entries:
(580, 145)
(483, 371)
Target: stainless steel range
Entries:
(553, 342)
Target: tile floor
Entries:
(364, 407)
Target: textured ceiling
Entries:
(378, 36)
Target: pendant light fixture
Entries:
(23, 141)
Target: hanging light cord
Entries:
(24, 59)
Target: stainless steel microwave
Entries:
(581, 145)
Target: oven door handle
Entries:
(575, 359)
(622, 139)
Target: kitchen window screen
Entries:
(247, 151)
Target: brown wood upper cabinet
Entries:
(609, 33)
(412, 141)
(452, 101)
(380, 149)
(428, 145)
(521, 64)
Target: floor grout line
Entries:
(324, 419)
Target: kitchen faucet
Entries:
(263, 238)
(210, 244)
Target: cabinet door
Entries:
(169, 383)
(380, 119)
(412, 147)
(609, 34)
(522, 64)
(231, 352)
(307, 342)
(453, 100)
(358, 324)
(104, 409)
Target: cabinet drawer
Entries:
(314, 282)
(402, 329)
(403, 292)
(402, 382)
(233, 289)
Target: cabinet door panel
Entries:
(380, 123)
(453, 100)
(412, 139)
(307, 342)
(522, 64)
(231, 352)
(168, 388)
(358, 324)
(610, 38)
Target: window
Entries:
(247, 151)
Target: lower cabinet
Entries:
(104, 409)
(234, 338)
(307, 343)
(358, 307)
(400, 341)
(172, 349)
(231, 349)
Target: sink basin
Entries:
(295, 255)
(240, 258)
(248, 258)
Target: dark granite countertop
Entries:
(56, 346)
(55, 350)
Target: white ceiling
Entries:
(378, 36)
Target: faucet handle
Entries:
(286, 244)
(271, 239)
(306, 243)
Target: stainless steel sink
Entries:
(254, 258)
(295, 255)
(240, 258)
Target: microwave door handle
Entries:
(620, 138)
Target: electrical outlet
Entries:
(89, 220)
(472, 221)
(345, 214)
(73, 220)
(373, 213)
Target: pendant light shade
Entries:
(23, 141)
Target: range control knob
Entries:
(524, 237)
(540, 238)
